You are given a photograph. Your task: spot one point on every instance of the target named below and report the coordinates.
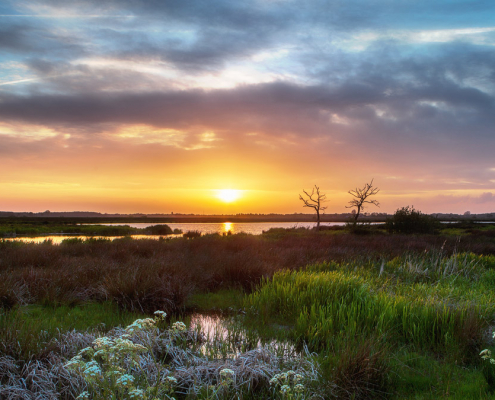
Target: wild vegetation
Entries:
(356, 316)
(44, 227)
(409, 220)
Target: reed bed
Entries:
(330, 302)
(145, 275)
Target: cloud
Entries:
(487, 197)
(321, 89)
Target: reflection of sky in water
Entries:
(253, 228)
(211, 325)
(57, 239)
(217, 328)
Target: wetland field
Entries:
(289, 314)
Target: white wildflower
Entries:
(75, 363)
(160, 314)
(103, 342)
(92, 369)
(136, 394)
(285, 389)
(227, 373)
(125, 380)
(299, 388)
(87, 351)
(179, 326)
(83, 396)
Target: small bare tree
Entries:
(361, 197)
(314, 200)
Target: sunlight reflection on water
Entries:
(253, 228)
(57, 239)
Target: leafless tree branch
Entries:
(314, 200)
(361, 196)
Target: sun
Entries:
(228, 195)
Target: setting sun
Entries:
(228, 195)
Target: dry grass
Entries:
(47, 378)
(361, 373)
(147, 275)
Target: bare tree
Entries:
(314, 200)
(361, 197)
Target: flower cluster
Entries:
(227, 374)
(141, 324)
(111, 367)
(160, 315)
(487, 355)
(289, 384)
(179, 326)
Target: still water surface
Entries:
(253, 228)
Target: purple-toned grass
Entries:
(146, 275)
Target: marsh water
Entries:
(253, 228)
(226, 334)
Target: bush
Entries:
(409, 220)
(159, 230)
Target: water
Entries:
(57, 239)
(253, 228)
(227, 337)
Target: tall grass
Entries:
(364, 316)
(330, 307)
(147, 274)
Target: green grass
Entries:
(222, 300)
(423, 376)
(26, 332)
(46, 228)
(424, 318)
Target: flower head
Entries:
(299, 388)
(160, 314)
(227, 373)
(284, 389)
(179, 326)
(136, 394)
(125, 380)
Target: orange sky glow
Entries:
(158, 108)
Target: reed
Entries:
(331, 306)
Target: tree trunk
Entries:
(357, 215)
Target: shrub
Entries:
(409, 220)
(159, 230)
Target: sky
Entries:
(156, 106)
